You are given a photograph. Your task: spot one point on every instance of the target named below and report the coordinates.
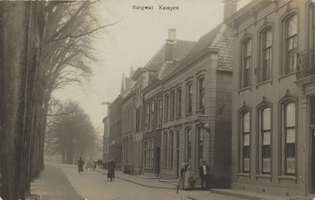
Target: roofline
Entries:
(116, 99)
(128, 95)
(191, 61)
(246, 11)
(137, 73)
(145, 90)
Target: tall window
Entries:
(188, 144)
(267, 55)
(291, 44)
(289, 129)
(245, 141)
(140, 118)
(148, 153)
(200, 145)
(247, 63)
(189, 98)
(166, 108)
(159, 114)
(144, 154)
(152, 114)
(165, 149)
(147, 120)
(201, 93)
(172, 104)
(179, 102)
(266, 139)
(152, 152)
(172, 148)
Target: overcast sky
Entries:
(133, 42)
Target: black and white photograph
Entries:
(157, 100)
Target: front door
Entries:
(157, 163)
(313, 161)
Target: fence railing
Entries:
(305, 64)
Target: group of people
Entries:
(110, 166)
(186, 180)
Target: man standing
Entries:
(204, 172)
(80, 165)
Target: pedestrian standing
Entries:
(111, 170)
(204, 172)
(180, 184)
(187, 177)
(80, 165)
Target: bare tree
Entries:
(70, 132)
(44, 46)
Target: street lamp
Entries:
(203, 119)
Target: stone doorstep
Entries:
(255, 196)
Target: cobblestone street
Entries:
(93, 185)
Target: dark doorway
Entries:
(157, 163)
(177, 153)
(313, 162)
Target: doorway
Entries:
(313, 162)
(157, 163)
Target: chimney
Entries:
(230, 8)
(171, 34)
(169, 46)
(131, 71)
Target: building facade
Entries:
(106, 141)
(115, 131)
(273, 132)
(200, 85)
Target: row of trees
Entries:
(69, 132)
(45, 45)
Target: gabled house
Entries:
(162, 63)
(197, 97)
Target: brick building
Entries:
(273, 98)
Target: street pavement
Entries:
(61, 182)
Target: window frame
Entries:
(147, 120)
(284, 69)
(166, 107)
(260, 130)
(172, 104)
(262, 76)
(282, 105)
(201, 93)
(165, 149)
(243, 110)
(179, 102)
(189, 97)
(188, 143)
(152, 116)
(244, 58)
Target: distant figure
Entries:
(80, 165)
(204, 172)
(180, 184)
(94, 165)
(188, 175)
(111, 170)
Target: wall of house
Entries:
(271, 91)
(205, 66)
(221, 173)
(152, 96)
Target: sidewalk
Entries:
(52, 184)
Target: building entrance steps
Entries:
(257, 196)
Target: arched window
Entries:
(245, 140)
(290, 48)
(246, 63)
(289, 137)
(266, 55)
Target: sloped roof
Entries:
(180, 50)
(203, 43)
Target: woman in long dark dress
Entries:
(111, 170)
